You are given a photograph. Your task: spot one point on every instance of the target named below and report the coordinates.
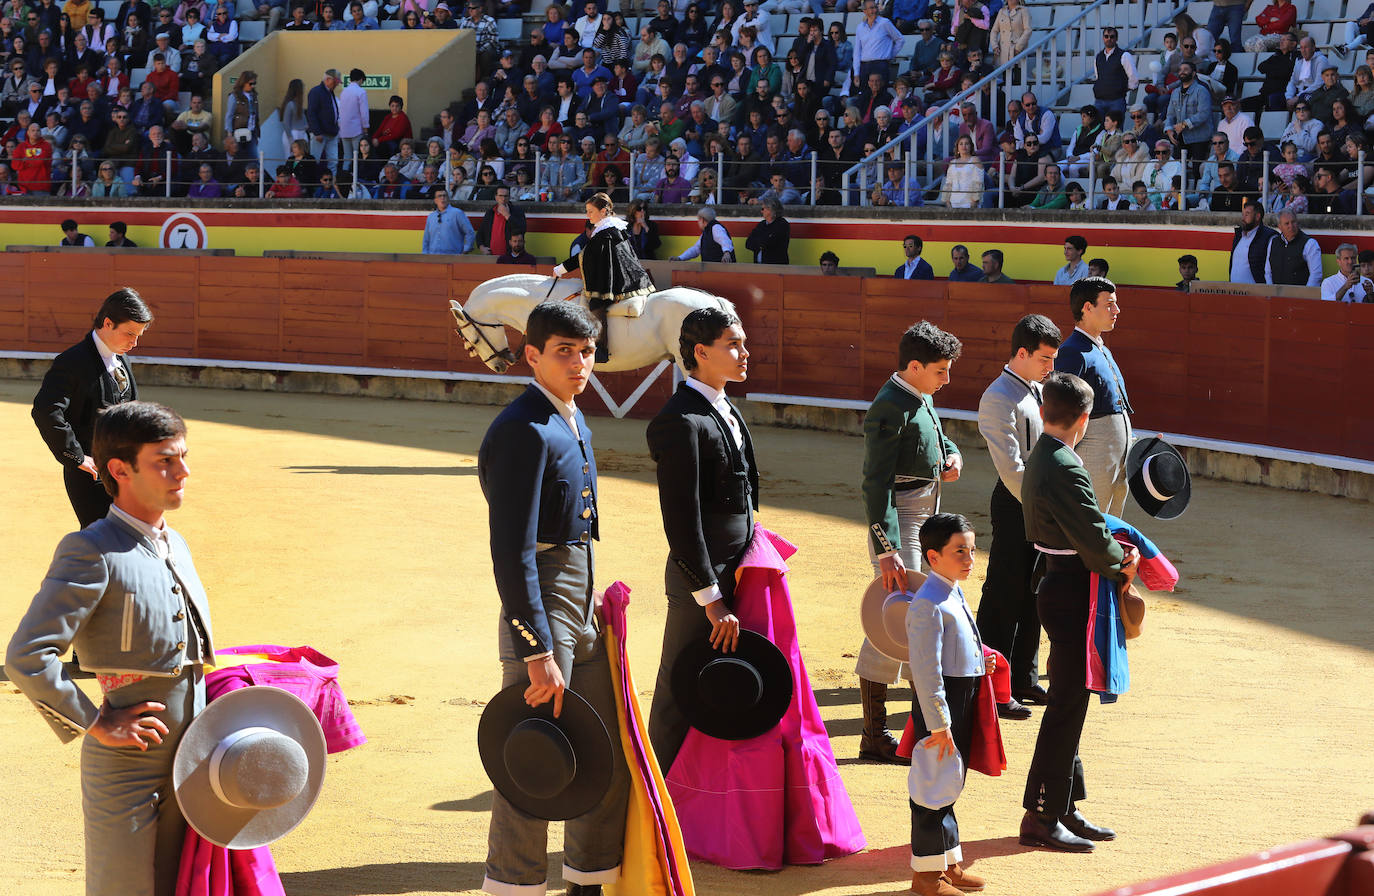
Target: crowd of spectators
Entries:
(708, 103)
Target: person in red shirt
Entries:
(394, 128)
(285, 187)
(1278, 18)
(166, 84)
(32, 162)
(77, 85)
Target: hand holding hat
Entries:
(883, 614)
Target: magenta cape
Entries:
(210, 870)
(777, 798)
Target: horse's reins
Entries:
(505, 353)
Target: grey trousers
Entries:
(914, 507)
(1103, 450)
(134, 828)
(517, 844)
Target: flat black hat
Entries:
(733, 696)
(1159, 478)
(550, 768)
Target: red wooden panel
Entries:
(1298, 869)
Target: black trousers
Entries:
(1055, 780)
(89, 498)
(936, 831)
(1007, 618)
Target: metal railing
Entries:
(1067, 61)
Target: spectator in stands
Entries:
(915, 267)
(586, 27)
(515, 252)
(299, 22)
(992, 268)
(1112, 199)
(1187, 270)
(1307, 69)
(672, 188)
(876, 43)
(1358, 32)
(166, 84)
(223, 36)
(444, 20)
(971, 23)
(32, 162)
(1233, 122)
(1042, 124)
(121, 144)
(1227, 195)
(770, 238)
(456, 180)
(1348, 284)
(328, 189)
(284, 186)
(353, 116)
(1081, 152)
(1328, 197)
(447, 230)
(830, 264)
(1278, 72)
(198, 68)
(192, 22)
(1250, 167)
(779, 190)
(1275, 20)
(1051, 194)
(162, 44)
(392, 184)
(321, 119)
(1115, 74)
(1189, 122)
(651, 44)
(1074, 269)
(487, 35)
(54, 131)
(897, 189)
(1323, 97)
(642, 232)
(964, 181)
(359, 20)
(206, 187)
(303, 166)
(1161, 171)
(407, 162)
(108, 183)
(1208, 178)
(241, 118)
(1107, 144)
(1010, 31)
(944, 80)
(155, 172)
(394, 127)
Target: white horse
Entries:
(635, 342)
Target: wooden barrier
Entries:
(1280, 372)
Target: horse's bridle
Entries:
(504, 354)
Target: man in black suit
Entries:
(708, 488)
(85, 379)
(1066, 527)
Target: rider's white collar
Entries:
(609, 221)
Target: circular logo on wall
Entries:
(183, 231)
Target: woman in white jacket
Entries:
(963, 187)
(1131, 161)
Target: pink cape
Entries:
(777, 798)
(210, 870)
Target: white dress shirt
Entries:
(566, 409)
(1240, 258)
(1332, 285)
(156, 534)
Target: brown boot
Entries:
(963, 880)
(932, 883)
(877, 743)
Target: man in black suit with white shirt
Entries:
(708, 488)
(85, 379)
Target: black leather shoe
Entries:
(1013, 709)
(1038, 830)
(1034, 695)
(584, 889)
(1081, 827)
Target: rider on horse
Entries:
(611, 271)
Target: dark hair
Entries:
(1252, 203)
(702, 327)
(920, 243)
(1188, 259)
(997, 256)
(121, 306)
(122, 430)
(1066, 398)
(119, 227)
(569, 319)
(1254, 133)
(356, 75)
(1086, 291)
(1099, 263)
(1226, 163)
(1078, 242)
(69, 224)
(827, 255)
(939, 529)
(1109, 180)
(1365, 256)
(1033, 330)
(925, 343)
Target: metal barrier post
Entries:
(720, 178)
(844, 188)
(1183, 181)
(906, 178)
(1359, 184)
(631, 180)
(538, 174)
(1264, 183)
(812, 191)
(168, 191)
(262, 171)
(1001, 179)
(74, 164)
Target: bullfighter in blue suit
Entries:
(538, 474)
